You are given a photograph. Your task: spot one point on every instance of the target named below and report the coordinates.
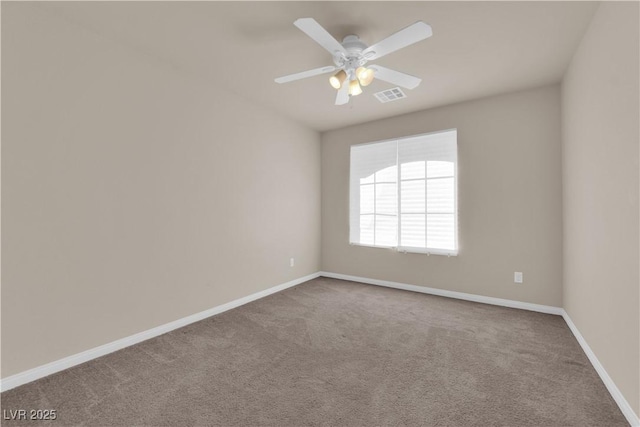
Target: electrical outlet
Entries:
(292, 262)
(517, 277)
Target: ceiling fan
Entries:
(352, 54)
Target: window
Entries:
(403, 194)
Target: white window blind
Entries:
(403, 194)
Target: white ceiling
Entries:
(477, 48)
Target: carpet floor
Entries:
(336, 353)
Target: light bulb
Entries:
(337, 79)
(354, 88)
(365, 75)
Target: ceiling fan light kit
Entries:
(352, 54)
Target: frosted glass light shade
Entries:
(337, 79)
(354, 88)
(365, 75)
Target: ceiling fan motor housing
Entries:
(354, 58)
(353, 44)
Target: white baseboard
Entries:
(626, 409)
(624, 406)
(76, 359)
(450, 294)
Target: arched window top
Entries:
(412, 170)
(388, 174)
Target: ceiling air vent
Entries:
(390, 95)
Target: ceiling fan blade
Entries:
(343, 94)
(305, 74)
(395, 77)
(321, 36)
(403, 38)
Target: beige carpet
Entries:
(336, 353)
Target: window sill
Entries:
(423, 251)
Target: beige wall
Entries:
(510, 198)
(133, 195)
(600, 118)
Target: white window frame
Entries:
(407, 249)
